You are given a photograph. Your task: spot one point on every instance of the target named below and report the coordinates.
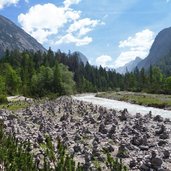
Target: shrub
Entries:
(3, 99)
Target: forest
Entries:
(57, 73)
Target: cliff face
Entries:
(13, 37)
(161, 48)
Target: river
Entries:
(120, 105)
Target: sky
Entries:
(110, 33)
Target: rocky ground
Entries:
(143, 142)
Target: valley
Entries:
(76, 98)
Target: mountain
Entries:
(160, 50)
(81, 56)
(13, 37)
(129, 66)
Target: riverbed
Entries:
(120, 105)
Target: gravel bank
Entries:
(143, 141)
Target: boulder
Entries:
(124, 115)
(122, 151)
(164, 135)
(132, 163)
(166, 154)
(162, 142)
(158, 118)
(102, 129)
(161, 130)
(156, 163)
(112, 131)
(77, 148)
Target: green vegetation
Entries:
(34, 74)
(14, 106)
(153, 100)
(15, 155)
(3, 99)
(115, 164)
(43, 74)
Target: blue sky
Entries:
(109, 32)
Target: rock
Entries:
(153, 153)
(167, 120)
(102, 129)
(124, 115)
(96, 138)
(64, 117)
(138, 115)
(77, 148)
(87, 157)
(144, 148)
(39, 161)
(132, 163)
(137, 140)
(122, 151)
(156, 163)
(162, 142)
(149, 115)
(112, 131)
(85, 137)
(166, 154)
(108, 148)
(161, 130)
(164, 135)
(77, 137)
(108, 119)
(158, 118)
(143, 167)
(92, 120)
(40, 138)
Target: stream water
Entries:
(119, 105)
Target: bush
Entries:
(3, 99)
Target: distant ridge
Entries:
(160, 51)
(81, 56)
(129, 66)
(13, 37)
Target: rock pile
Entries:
(86, 130)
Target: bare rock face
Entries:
(160, 49)
(13, 38)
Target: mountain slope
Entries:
(13, 37)
(129, 66)
(81, 56)
(161, 48)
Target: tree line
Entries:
(39, 74)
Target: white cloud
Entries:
(69, 38)
(4, 3)
(51, 23)
(83, 26)
(68, 3)
(44, 20)
(137, 45)
(103, 60)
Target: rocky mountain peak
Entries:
(13, 37)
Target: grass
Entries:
(153, 100)
(14, 106)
